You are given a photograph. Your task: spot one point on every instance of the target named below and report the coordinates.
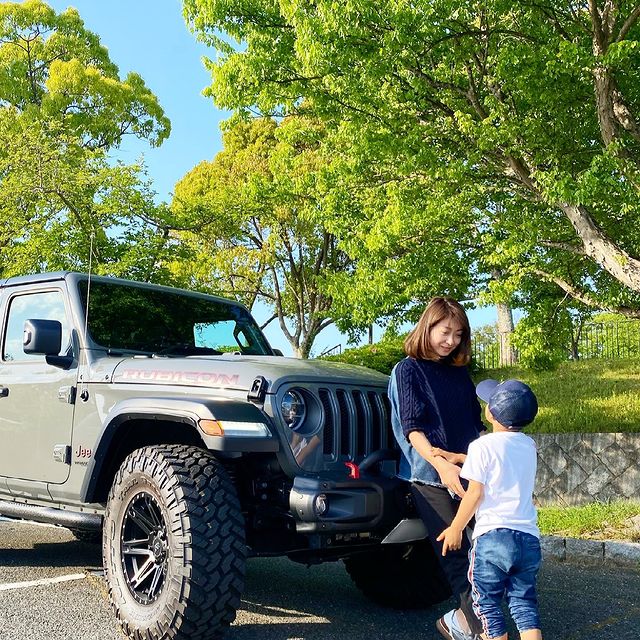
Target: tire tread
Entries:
(208, 526)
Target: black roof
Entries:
(74, 277)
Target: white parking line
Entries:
(43, 581)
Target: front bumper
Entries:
(369, 504)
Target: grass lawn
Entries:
(597, 521)
(585, 396)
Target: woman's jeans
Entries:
(437, 509)
(505, 562)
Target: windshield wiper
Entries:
(129, 352)
(185, 349)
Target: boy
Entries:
(501, 469)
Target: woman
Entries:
(435, 412)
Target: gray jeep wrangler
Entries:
(161, 422)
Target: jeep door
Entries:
(36, 410)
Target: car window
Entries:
(46, 305)
(147, 320)
(224, 336)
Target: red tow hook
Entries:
(354, 470)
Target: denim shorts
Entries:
(505, 562)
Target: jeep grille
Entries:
(356, 422)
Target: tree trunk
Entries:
(507, 356)
(304, 349)
(576, 333)
(505, 332)
(602, 249)
(604, 90)
(575, 351)
(304, 343)
(596, 245)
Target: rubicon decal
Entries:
(179, 377)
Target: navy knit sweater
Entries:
(439, 400)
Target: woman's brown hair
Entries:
(418, 345)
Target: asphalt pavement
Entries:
(51, 588)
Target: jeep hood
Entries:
(239, 372)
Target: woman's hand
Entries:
(449, 473)
(450, 476)
(453, 458)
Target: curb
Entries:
(610, 552)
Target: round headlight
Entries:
(293, 409)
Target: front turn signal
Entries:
(211, 427)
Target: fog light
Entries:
(320, 504)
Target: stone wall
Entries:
(577, 468)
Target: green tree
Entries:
(485, 342)
(525, 111)
(63, 107)
(53, 69)
(405, 235)
(252, 218)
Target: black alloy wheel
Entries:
(144, 548)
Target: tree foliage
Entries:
(382, 356)
(404, 233)
(53, 69)
(253, 218)
(517, 119)
(63, 107)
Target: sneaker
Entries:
(449, 628)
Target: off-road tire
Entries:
(182, 501)
(404, 576)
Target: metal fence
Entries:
(609, 340)
(332, 351)
(493, 353)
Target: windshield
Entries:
(126, 318)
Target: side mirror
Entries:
(277, 352)
(42, 337)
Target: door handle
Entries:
(4, 392)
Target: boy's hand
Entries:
(453, 458)
(451, 538)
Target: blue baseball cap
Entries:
(512, 403)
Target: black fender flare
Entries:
(188, 411)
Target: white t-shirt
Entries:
(505, 463)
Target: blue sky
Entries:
(150, 37)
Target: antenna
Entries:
(86, 311)
(84, 394)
